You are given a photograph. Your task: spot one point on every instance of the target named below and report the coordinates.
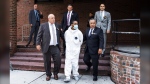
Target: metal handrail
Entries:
(120, 32)
(25, 31)
(127, 20)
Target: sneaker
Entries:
(76, 78)
(66, 80)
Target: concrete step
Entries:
(38, 66)
(40, 60)
(39, 54)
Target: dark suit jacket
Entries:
(95, 41)
(43, 36)
(74, 16)
(32, 17)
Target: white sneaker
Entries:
(76, 78)
(66, 80)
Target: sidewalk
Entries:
(33, 77)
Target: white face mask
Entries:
(75, 27)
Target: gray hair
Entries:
(50, 15)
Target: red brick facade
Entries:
(118, 9)
(125, 69)
(13, 26)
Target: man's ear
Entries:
(72, 25)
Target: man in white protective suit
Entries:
(74, 39)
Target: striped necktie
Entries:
(68, 18)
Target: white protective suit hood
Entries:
(74, 39)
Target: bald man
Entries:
(48, 40)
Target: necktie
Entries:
(37, 16)
(54, 35)
(101, 15)
(68, 17)
(90, 32)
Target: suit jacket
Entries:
(95, 41)
(105, 23)
(74, 16)
(32, 17)
(43, 36)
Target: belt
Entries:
(52, 45)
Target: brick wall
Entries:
(23, 8)
(124, 68)
(118, 9)
(13, 26)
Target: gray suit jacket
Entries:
(43, 36)
(105, 23)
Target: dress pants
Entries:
(105, 41)
(55, 53)
(94, 63)
(34, 30)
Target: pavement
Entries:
(34, 77)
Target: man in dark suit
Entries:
(34, 20)
(48, 39)
(94, 45)
(67, 19)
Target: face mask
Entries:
(75, 27)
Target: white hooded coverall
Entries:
(74, 39)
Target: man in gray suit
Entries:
(48, 39)
(103, 20)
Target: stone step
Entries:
(40, 59)
(35, 50)
(27, 50)
(33, 46)
(39, 54)
(38, 66)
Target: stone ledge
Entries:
(124, 54)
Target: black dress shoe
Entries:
(94, 78)
(26, 45)
(102, 55)
(56, 77)
(88, 68)
(48, 78)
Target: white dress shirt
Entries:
(69, 17)
(102, 12)
(51, 33)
